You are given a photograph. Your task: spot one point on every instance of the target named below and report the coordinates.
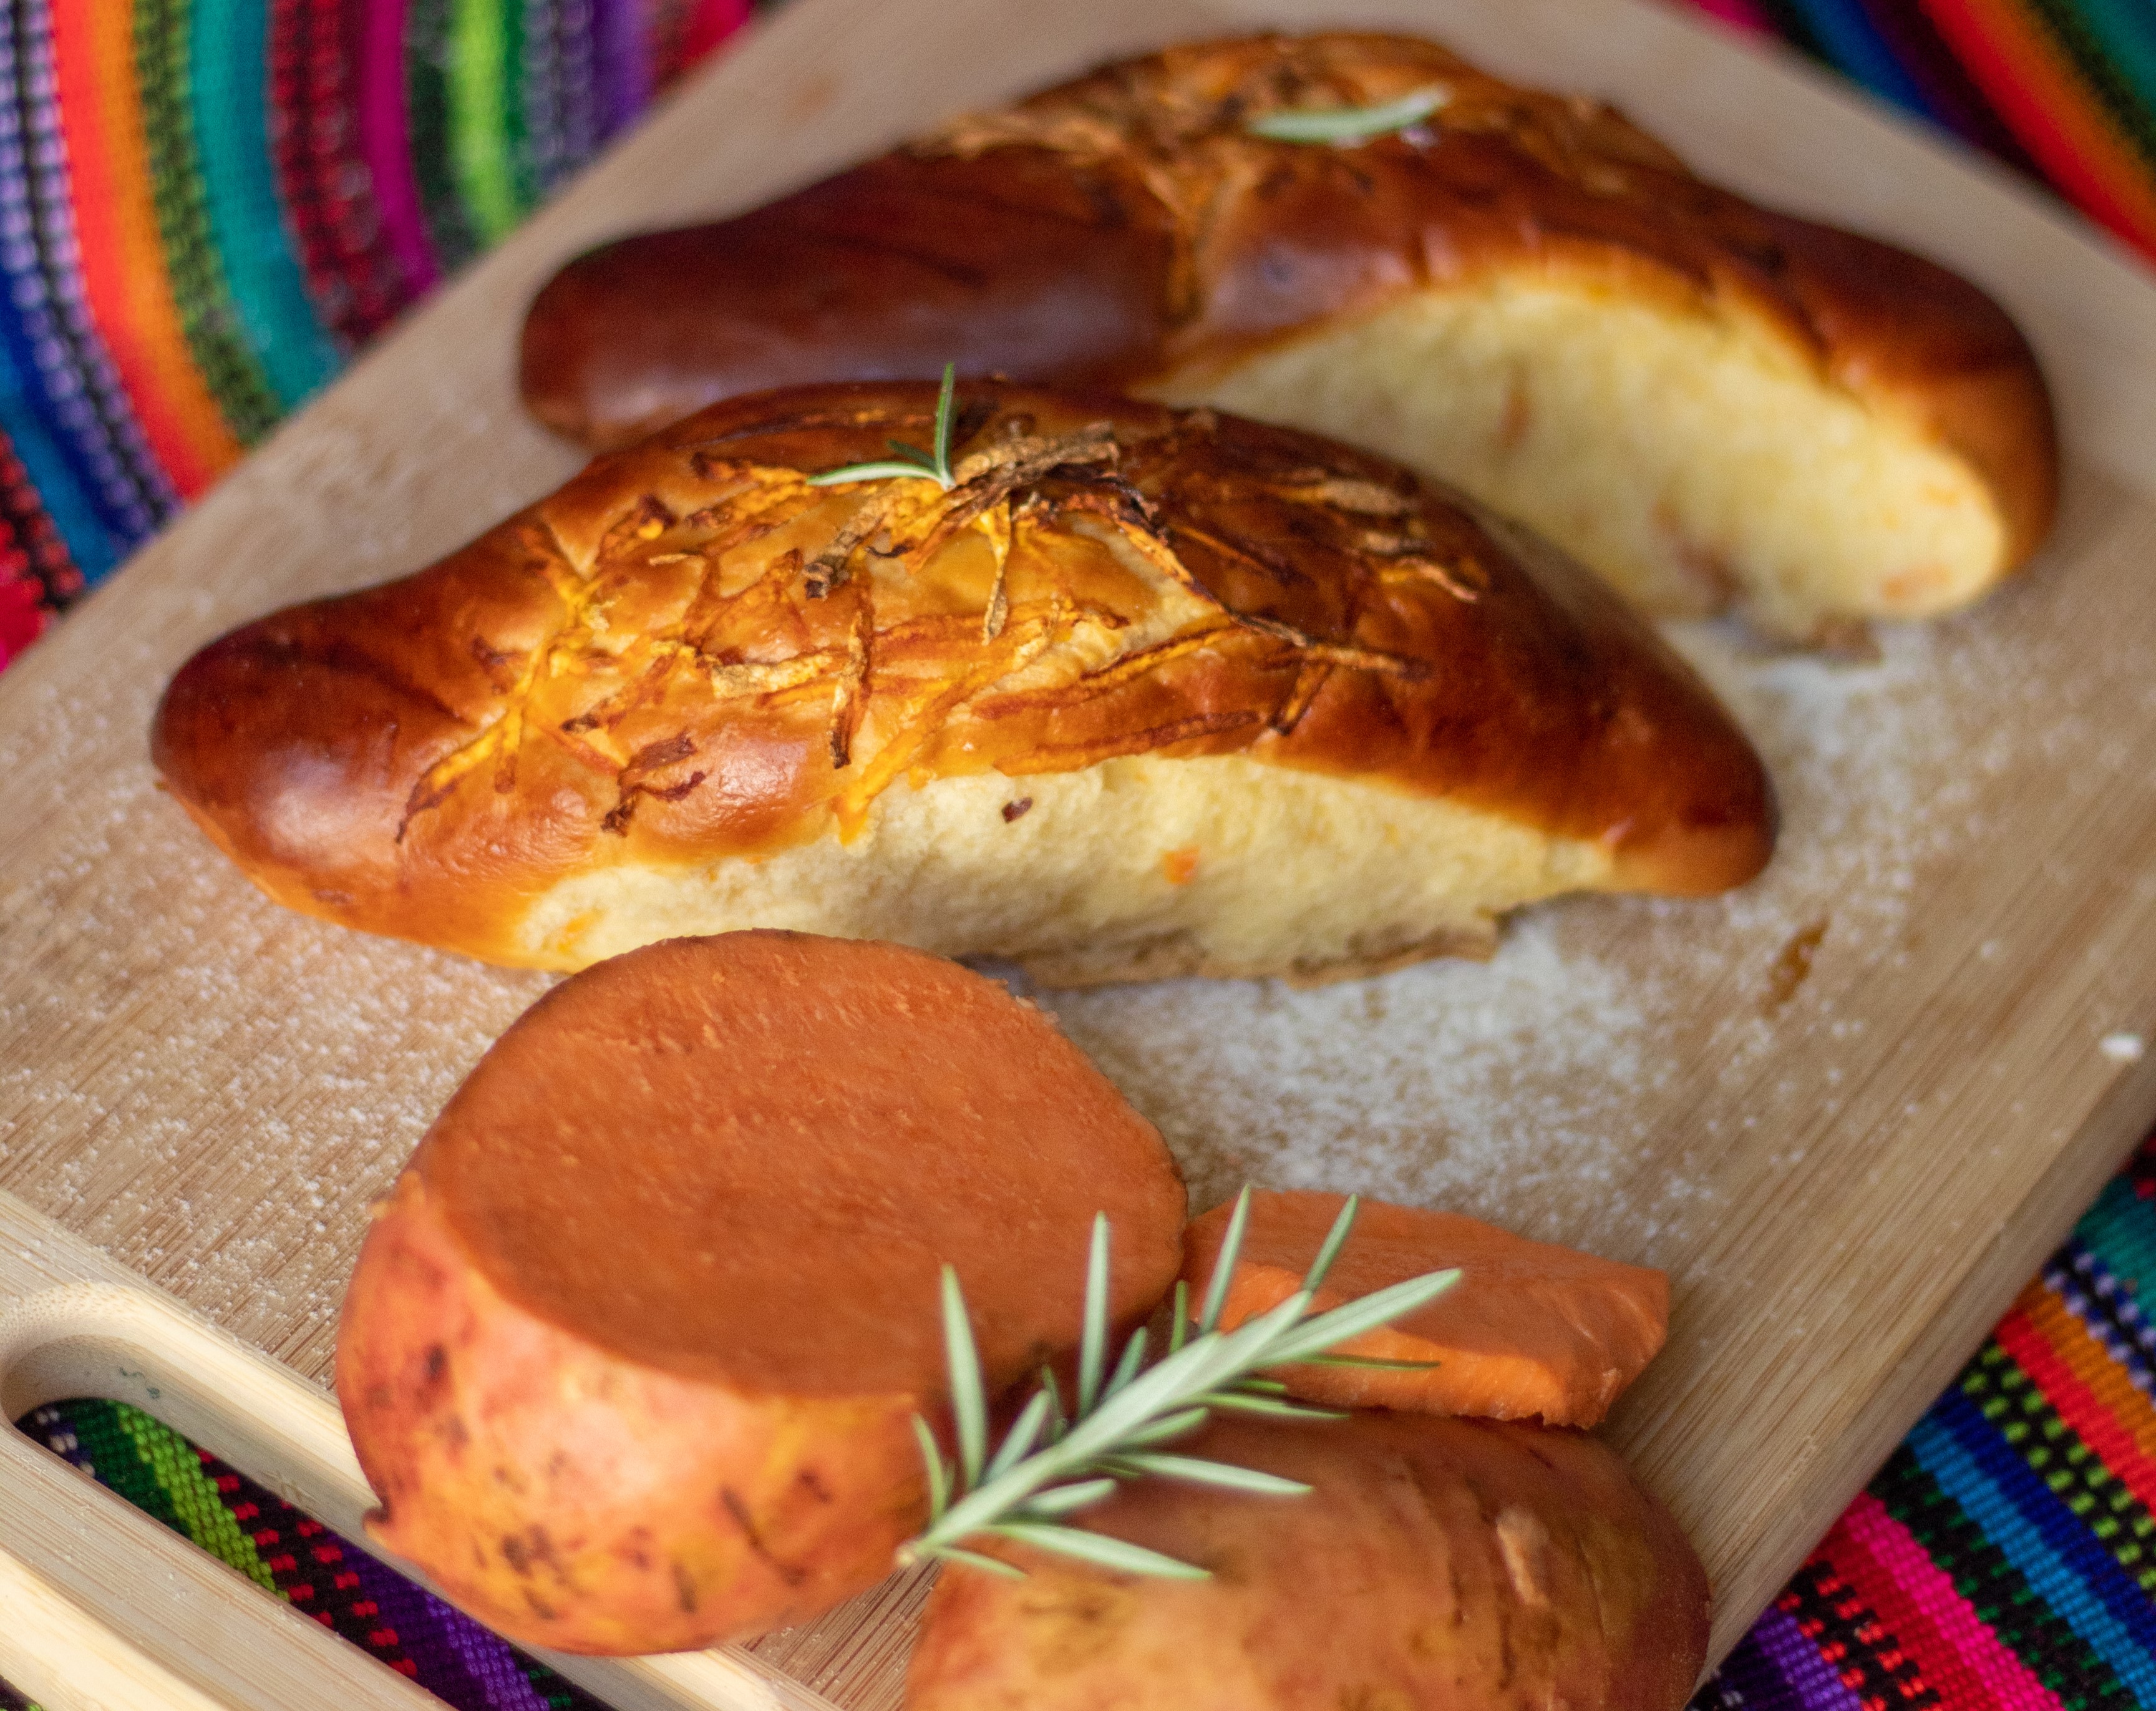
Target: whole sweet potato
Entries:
(1438, 1564)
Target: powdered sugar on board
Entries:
(1529, 1090)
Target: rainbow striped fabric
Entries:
(207, 206)
(2064, 90)
(284, 1552)
(2005, 1556)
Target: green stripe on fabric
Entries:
(117, 1459)
(2056, 1454)
(2134, 119)
(427, 123)
(228, 54)
(1997, 1591)
(208, 320)
(479, 115)
(2120, 1230)
(201, 1512)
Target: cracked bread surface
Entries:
(1707, 401)
(1144, 692)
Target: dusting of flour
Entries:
(1524, 1090)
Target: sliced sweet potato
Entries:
(1531, 1329)
(1440, 1564)
(632, 1353)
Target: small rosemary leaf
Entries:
(1168, 1426)
(1348, 125)
(871, 472)
(1062, 1500)
(1127, 1368)
(969, 1402)
(1179, 1326)
(1024, 1431)
(1058, 1422)
(974, 1559)
(1235, 1402)
(1100, 1549)
(1369, 1362)
(1093, 1342)
(1196, 1469)
(947, 399)
(939, 1478)
(1270, 1387)
(911, 454)
(1335, 1239)
(1343, 1323)
(1224, 1267)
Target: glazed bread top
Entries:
(691, 652)
(1129, 225)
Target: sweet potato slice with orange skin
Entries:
(1531, 1329)
(631, 1352)
(1441, 1564)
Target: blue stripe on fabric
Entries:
(89, 543)
(2040, 1537)
(1856, 49)
(228, 72)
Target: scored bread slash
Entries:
(1532, 1330)
(634, 1354)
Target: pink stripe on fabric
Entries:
(1741, 13)
(385, 143)
(2007, 1680)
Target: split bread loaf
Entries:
(1143, 693)
(1440, 1563)
(1520, 293)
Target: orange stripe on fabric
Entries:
(124, 278)
(2030, 82)
(1961, 1658)
(2089, 1390)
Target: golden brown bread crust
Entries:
(1127, 225)
(688, 652)
(1445, 1564)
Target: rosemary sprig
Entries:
(1349, 125)
(912, 462)
(1049, 1465)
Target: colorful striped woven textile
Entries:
(284, 1552)
(2064, 90)
(207, 206)
(2006, 1557)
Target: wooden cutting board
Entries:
(1849, 1109)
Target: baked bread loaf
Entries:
(1143, 693)
(1522, 294)
(1442, 1564)
(633, 1353)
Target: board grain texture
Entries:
(1849, 1109)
